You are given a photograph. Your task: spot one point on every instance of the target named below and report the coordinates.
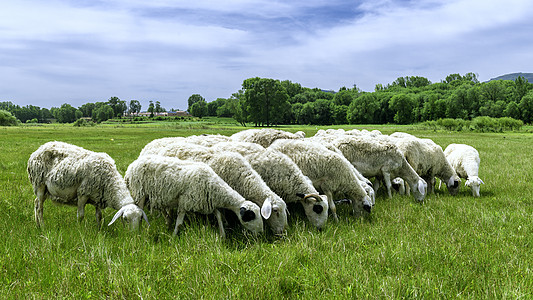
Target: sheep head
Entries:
(474, 182)
(453, 185)
(131, 214)
(316, 208)
(250, 217)
(274, 211)
(420, 190)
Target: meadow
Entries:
(447, 247)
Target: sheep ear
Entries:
(451, 181)
(481, 181)
(266, 209)
(119, 214)
(145, 217)
(421, 187)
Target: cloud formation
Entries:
(78, 51)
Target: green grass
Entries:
(448, 247)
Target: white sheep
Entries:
(376, 156)
(465, 160)
(265, 137)
(169, 184)
(207, 140)
(237, 172)
(71, 175)
(428, 160)
(284, 177)
(329, 171)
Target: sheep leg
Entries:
(386, 179)
(39, 201)
(179, 221)
(82, 200)
(220, 223)
(332, 207)
(98, 216)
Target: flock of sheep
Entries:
(252, 173)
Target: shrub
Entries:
(7, 119)
(83, 122)
(507, 123)
(485, 124)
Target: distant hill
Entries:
(513, 76)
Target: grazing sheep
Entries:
(379, 157)
(71, 175)
(207, 140)
(237, 172)
(428, 160)
(329, 171)
(265, 137)
(284, 177)
(168, 184)
(465, 160)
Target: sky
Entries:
(79, 51)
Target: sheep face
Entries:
(474, 183)
(131, 214)
(250, 217)
(275, 214)
(420, 190)
(453, 185)
(316, 208)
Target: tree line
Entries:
(266, 102)
(66, 113)
(407, 100)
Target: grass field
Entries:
(447, 247)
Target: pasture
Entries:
(447, 247)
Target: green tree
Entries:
(199, 109)
(65, 114)
(134, 107)
(193, 99)
(7, 119)
(362, 110)
(340, 113)
(526, 107)
(158, 107)
(512, 110)
(151, 109)
(263, 99)
(118, 106)
(343, 97)
(103, 113)
(403, 106)
(87, 109)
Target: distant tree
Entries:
(151, 109)
(340, 113)
(213, 106)
(343, 97)
(362, 110)
(403, 105)
(118, 106)
(291, 88)
(263, 97)
(193, 99)
(103, 113)
(512, 110)
(65, 114)
(158, 107)
(526, 107)
(199, 109)
(87, 109)
(7, 119)
(134, 107)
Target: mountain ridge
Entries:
(513, 76)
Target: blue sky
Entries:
(78, 51)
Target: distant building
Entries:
(164, 114)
